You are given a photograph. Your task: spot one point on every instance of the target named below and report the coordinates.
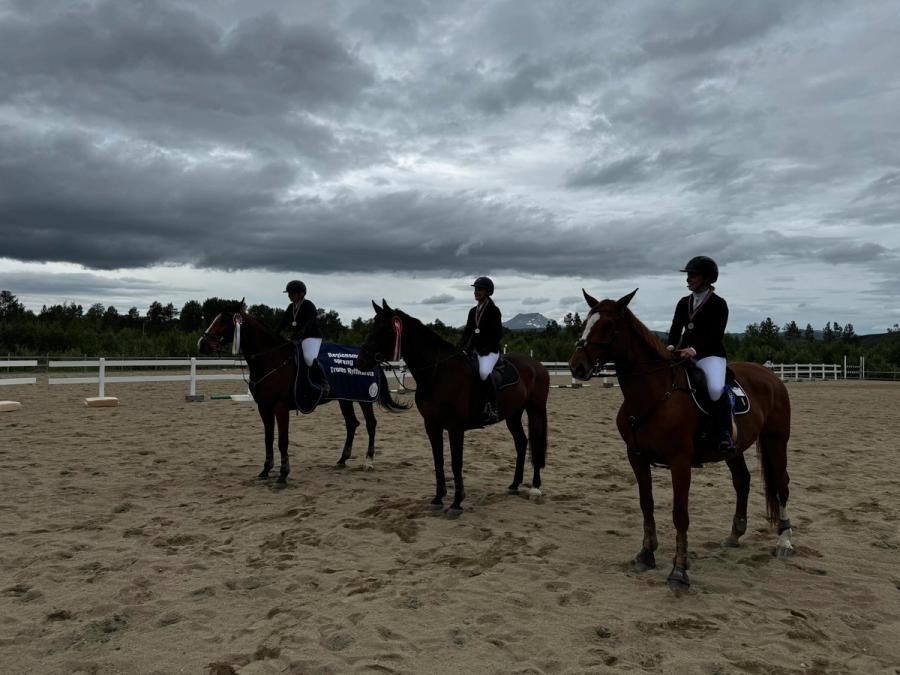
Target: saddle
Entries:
(699, 393)
(504, 374)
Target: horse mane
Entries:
(646, 336)
(263, 327)
(433, 339)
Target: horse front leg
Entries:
(646, 558)
(456, 464)
(351, 423)
(371, 424)
(681, 487)
(282, 417)
(740, 478)
(436, 437)
(267, 415)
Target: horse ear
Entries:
(591, 301)
(386, 306)
(622, 302)
(378, 309)
(242, 306)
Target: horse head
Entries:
(600, 342)
(383, 341)
(221, 331)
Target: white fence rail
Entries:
(808, 371)
(30, 363)
(101, 364)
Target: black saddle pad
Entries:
(697, 383)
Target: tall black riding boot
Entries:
(317, 377)
(490, 401)
(724, 418)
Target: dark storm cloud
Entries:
(414, 136)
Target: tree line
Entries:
(164, 331)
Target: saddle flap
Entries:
(504, 375)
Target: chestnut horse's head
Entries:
(599, 342)
(383, 341)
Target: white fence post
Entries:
(102, 378)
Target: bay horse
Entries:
(272, 373)
(446, 385)
(658, 422)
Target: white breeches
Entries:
(714, 369)
(310, 347)
(486, 364)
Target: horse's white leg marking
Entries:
(784, 547)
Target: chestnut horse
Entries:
(270, 360)
(446, 387)
(658, 422)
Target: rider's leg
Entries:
(310, 347)
(714, 369)
(486, 365)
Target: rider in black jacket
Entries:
(482, 334)
(301, 318)
(698, 331)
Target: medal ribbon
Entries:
(397, 325)
(692, 311)
(236, 343)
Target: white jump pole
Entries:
(102, 378)
(193, 397)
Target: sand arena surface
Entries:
(138, 540)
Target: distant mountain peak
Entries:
(529, 321)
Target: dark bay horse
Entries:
(658, 421)
(270, 360)
(445, 387)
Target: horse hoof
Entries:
(535, 494)
(678, 580)
(643, 561)
(513, 489)
(784, 551)
(435, 506)
(280, 484)
(369, 466)
(454, 512)
(340, 465)
(731, 542)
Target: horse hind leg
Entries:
(537, 437)
(740, 478)
(514, 424)
(773, 456)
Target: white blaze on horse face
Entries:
(588, 325)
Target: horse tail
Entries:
(537, 417)
(384, 394)
(771, 447)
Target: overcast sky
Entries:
(181, 150)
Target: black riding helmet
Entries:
(704, 266)
(296, 286)
(485, 283)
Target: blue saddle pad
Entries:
(701, 397)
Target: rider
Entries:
(697, 332)
(482, 333)
(301, 318)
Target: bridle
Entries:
(215, 344)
